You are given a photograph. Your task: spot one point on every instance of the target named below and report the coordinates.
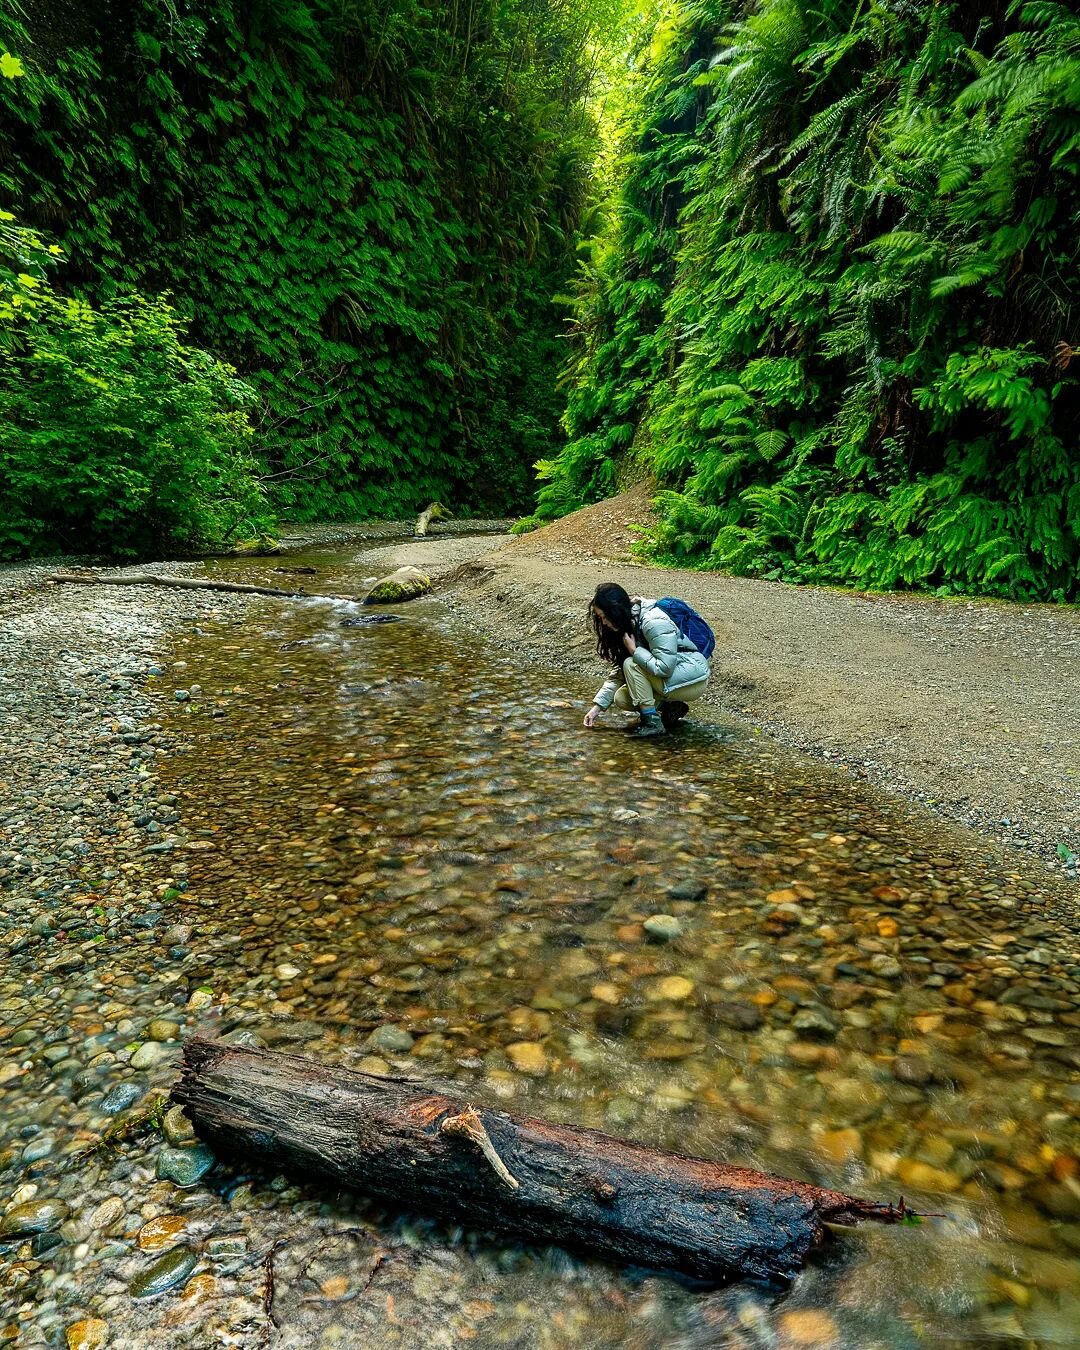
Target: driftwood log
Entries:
(425, 1149)
(427, 517)
(192, 584)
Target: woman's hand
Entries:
(629, 643)
(591, 716)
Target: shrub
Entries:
(118, 438)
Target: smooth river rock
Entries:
(185, 1166)
(168, 1271)
(36, 1216)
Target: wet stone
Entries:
(528, 1057)
(808, 1326)
(119, 1097)
(92, 1333)
(148, 1055)
(38, 1149)
(166, 1273)
(106, 1215)
(43, 1243)
(621, 1112)
(840, 1145)
(185, 1166)
(914, 1069)
(178, 1129)
(1047, 1035)
(159, 1232)
(688, 890)
(373, 1064)
(36, 1216)
(738, 1016)
(924, 1177)
(390, 1039)
(674, 988)
(663, 927)
(227, 1245)
(815, 1023)
(668, 1048)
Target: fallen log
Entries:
(427, 517)
(423, 1148)
(193, 584)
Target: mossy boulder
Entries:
(404, 584)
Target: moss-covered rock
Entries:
(404, 584)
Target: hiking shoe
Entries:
(671, 714)
(650, 726)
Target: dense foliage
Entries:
(835, 305)
(117, 437)
(364, 207)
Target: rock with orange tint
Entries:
(840, 1145)
(200, 1287)
(529, 1023)
(672, 987)
(630, 932)
(787, 896)
(887, 893)
(887, 928)
(807, 1053)
(89, 1334)
(808, 1326)
(926, 1178)
(159, 1232)
(528, 1057)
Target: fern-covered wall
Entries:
(365, 207)
(836, 307)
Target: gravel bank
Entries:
(971, 708)
(107, 967)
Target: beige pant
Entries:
(641, 689)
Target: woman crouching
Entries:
(656, 670)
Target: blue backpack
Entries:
(689, 623)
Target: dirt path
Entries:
(970, 707)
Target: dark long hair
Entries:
(612, 600)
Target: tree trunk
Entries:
(191, 584)
(422, 1148)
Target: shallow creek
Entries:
(405, 854)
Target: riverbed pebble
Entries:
(165, 1273)
(663, 927)
(185, 1166)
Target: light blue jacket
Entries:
(661, 651)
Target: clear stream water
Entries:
(408, 855)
